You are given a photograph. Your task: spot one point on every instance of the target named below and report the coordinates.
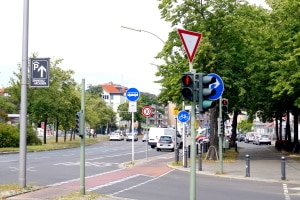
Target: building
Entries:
(115, 94)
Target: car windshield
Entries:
(264, 136)
(165, 139)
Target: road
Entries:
(51, 167)
(151, 179)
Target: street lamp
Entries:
(140, 30)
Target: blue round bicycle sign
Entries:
(132, 94)
(183, 116)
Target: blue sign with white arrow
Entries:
(218, 86)
(132, 94)
(183, 116)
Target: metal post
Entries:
(176, 146)
(221, 135)
(247, 165)
(147, 132)
(183, 140)
(193, 147)
(283, 168)
(185, 158)
(199, 158)
(132, 141)
(23, 113)
(82, 144)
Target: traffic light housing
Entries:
(222, 127)
(187, 86)
(205, 92)
(77, 123)
(224, 105)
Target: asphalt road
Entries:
(52, 167)
(150, 179)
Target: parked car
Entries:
(116, 136)
(249, 137)
(145, 137)
(155, 133)
(130, 137)
(166, 142)
(240, 137)
(262, 139)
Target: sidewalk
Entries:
(261, 169)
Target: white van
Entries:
(155, 133)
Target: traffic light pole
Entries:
(82, 144)
(193, 149)
(220, 133)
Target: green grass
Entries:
(51, 144)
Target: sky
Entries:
(88, 36)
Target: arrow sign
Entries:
(190, 41)
(39, 72)
(218, 86)
(42, 69)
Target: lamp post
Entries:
(140, 30)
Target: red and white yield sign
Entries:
(147, 111)
(190, 41)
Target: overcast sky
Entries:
(87, 35)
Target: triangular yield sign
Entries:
(190, 41)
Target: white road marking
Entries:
(286, 192)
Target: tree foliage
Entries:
(253, 49)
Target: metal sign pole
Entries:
(132, 141)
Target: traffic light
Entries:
(205, 92)
(222, 127)
(187, 86)
(77, 125)
(224, 105)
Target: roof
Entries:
(114, 88)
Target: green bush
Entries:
(10, 136)
(32, 138)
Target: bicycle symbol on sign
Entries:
(183, 116)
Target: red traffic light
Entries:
(224, 102)
(187, 80)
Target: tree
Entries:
(229, 31)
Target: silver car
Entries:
(262, 139)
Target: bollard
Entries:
(201, 147)
(247, 165)
(283, 168)
(185, 158)
(177, 155)
(200, 160)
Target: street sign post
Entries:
(190, 41)
(147, 111)
(132, 94)
(218, 86)
(183, 116)
(39, 71)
